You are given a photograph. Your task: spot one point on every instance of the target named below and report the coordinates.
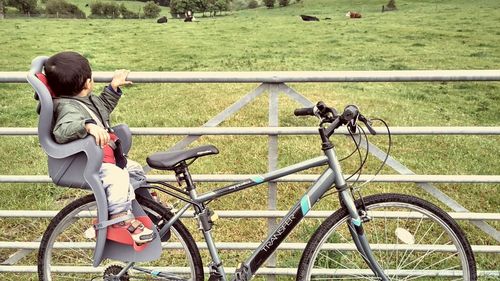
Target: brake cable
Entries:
(357, 143)
(362, 161)
(386, 154)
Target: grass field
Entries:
(445, 34)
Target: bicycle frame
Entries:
(332, 176)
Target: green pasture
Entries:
(421, 35)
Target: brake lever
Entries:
(317, 112)
(352, 126)
(324, 113)
(368, 124)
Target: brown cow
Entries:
(353, 15)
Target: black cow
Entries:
(162, 20)
(309, 18)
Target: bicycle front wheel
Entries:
(66, 254)
(410, 238)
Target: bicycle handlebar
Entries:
(308, 111)
(329, 115)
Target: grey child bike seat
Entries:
(76, 164)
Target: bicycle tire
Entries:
(321, 259)
(57, 263)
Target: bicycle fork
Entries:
(355, 226)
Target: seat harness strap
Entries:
(107, 223)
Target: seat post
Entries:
(182, 174)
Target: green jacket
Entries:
(70, 116)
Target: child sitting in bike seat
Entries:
(78, 113)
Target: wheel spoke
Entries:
(442, 260)
(415, 243)
(411, 252)
(397, 243)
(415, 277)
(377, 242)
(420, 259)
(342, 265)
(75, 262)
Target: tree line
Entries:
(114, 10)
(151, 9)
(179, 7)
(62, 8)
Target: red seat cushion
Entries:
(122, 235)
(43, 78)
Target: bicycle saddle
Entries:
(169, 160)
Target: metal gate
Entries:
(275, 84)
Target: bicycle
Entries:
(378, 237)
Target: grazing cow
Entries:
(388, 8)
(162, 20)
(353, 15)
(188, 16)
(309, 18)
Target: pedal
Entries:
(242, 273)
(214, 274)
(214, 277)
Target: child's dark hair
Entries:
(67, 73)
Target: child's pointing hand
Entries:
(120, 78)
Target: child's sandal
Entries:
(139, 233)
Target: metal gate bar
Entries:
(261, 271)
(292, 178)
(287, 76)
(261, 214)
(251, 131)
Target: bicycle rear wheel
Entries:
(65, 253)
(410, 238)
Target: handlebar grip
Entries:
(308, 111)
